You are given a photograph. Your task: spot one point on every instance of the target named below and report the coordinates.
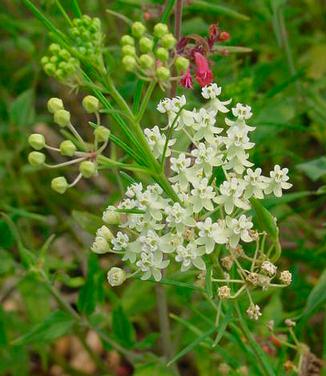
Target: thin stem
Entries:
(177, 34)
(77, 135)
(145, 101)
(66, 163)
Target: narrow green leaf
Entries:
(75, 8)
(208, 281)
(212, 8)
(56, 325)
(138, 96)
(317, 296)
(122, 327)
(22, 112)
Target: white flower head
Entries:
(120, 241)
(189, 255)
(242, 112)
(278, 181)
(116, 276)
(254, 311)
(224, 292)
(239, 229)
(100, 245)
(286, 277)
(268, 268)
(151, 264)
(211, 91)
(157, 142)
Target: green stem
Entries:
(145, 101)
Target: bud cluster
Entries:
(151, 56)
(83, 154)
(61, 65)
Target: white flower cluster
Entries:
(156, 230)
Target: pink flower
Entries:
(186, 80)
(204, 75)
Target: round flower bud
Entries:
(138, 29)
(62, 118)
(37, 141)
(145, 44)
(87, 169)
(105, 233)
(224, 292)
(102, 134)
(49, 69)
(35, 158)
(162, 73)
(67, 148)
(162, 54)
(91, 104)
(59, 184)
(181, 64)
(54, 48)
(160, 30)
(54, 105)
(129, 62)
(127, 40)
(116, 276)
(111, 216)
(146, 61)
(129, 50)
(168, 41)
(100, 246)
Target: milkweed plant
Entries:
(191, 207)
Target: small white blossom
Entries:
(100, 245)
(242, 112)
(179, 166)
(254, 312)
(156, 142)
(211, 234)
(286, 277)
(269, 268)
(204, 125)
(116, 276)
(111, 216)
(188, 256)
(151, 264)
(105, 233)
(206, 158)
(179, 217)
(256, 183)
(120, 241)
(202, 196)
(224, 292)
(231, 192)
(278, 180)
(239, 229)
(212, 92)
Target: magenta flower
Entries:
(186, 80)
(204, 75)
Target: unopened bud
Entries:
(224, 292)
(35, 158)
(62, 118)
(105, 233)
(168, 41)
(91, 104)
(145, 44)
(59, 184)
(87, 169)
(102, 134)
(67, 148)
(223, 36)
(129, 63)
(181, 64)
(54, 105)
(162, 54)
(116, 276)
(163, 74)
(111, 216)
(37, 141)
(128, 50)
(160, 30)
(146, 61)
(127, 40)
(100, 246)
(138, 29)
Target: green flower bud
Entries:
(127, 40)
(138, 29)
(67, 148)
(168, 41)
(162, 54)
(129, 50)
(87, 169)
(145, 44)
(59, 184)
(37, 141)
(102, 134)
(49, 69)
(129, 63)
(146, 61)
(54, 105)
(162, 73)
(62, 118)
(35, 158)
(54, 48)
(160, 30)
(64, 54)
(44, 60)
(91, 104)
(181, 64)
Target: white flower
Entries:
(224, 292)
(156, 142)
(120, 241)
(231, 192)
(269, 268)
(127, 204)
(254, 312)
(256, 183)
(105, 233)
(134, 190)
(204, 125)
(278, 180)
(202, 195)
(111, 216)
(242, 112)
(189, 255)
(210, 234)
(149, 241)
(179, 217)
(169, 242)
(152, 202)
(179, 166)
(286, 277)
(151, 264)
(116, 276)
(100, 245)
(239, 229)
(211, 91)
(167, 105)
(206, 158)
